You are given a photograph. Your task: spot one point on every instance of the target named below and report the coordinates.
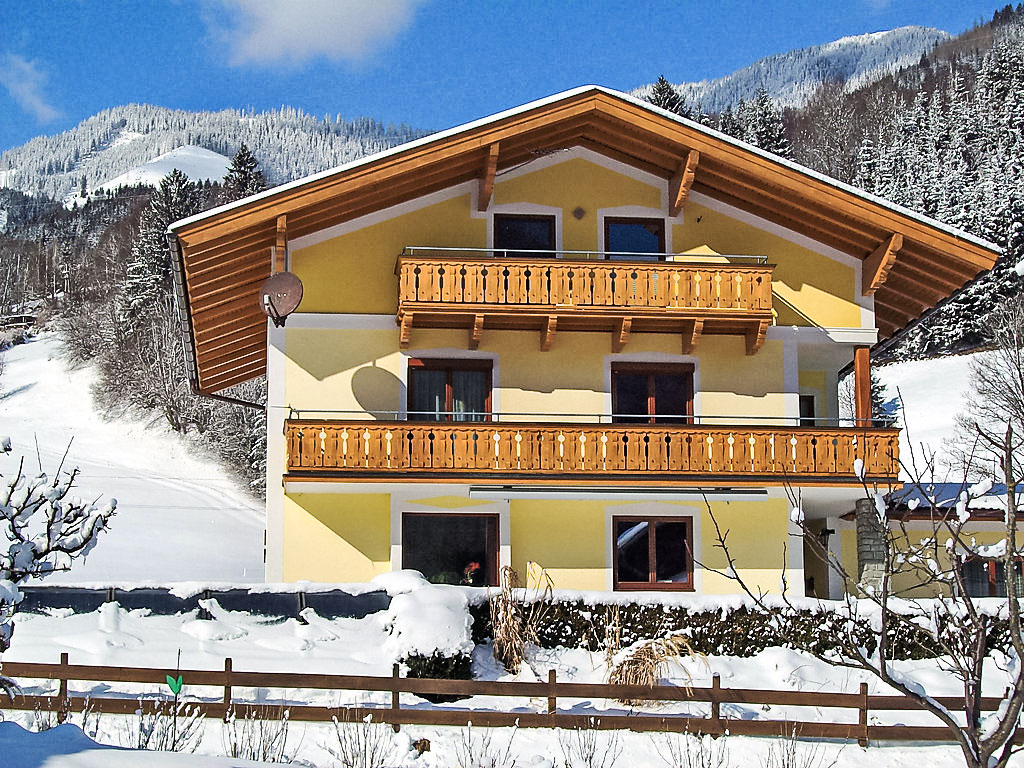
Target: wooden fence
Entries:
(545, 698)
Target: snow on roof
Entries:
(554, 98)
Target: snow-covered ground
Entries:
(933, 393)
(180, 517)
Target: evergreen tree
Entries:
(148, 277)
(763, 126)
(244, 176)
(664, 95)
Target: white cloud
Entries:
(294, 31)
(24, 82)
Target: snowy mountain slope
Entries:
(180, 516)
(288, 143)
(791, 78)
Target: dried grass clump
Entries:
(646, 664)
(514, 622)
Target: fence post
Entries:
(863, 720)
(716, 701)
(63, 701)
(227, 688)
(396, 699)
(552, 700)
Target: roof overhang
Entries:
(911, 262)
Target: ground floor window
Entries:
(653, 552)
(451, 548)
(987, 578)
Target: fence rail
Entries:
(546, 695)
(581, 451)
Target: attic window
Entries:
(635, 236)
(516, 236)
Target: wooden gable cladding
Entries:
(226, 251)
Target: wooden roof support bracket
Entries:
(487, 179)
(620, 336)
(280, 263)
(755, 337)
(404, 329)
(476, 332)
(547, 336)
(877, 265)
(691, 335)
(680, 185)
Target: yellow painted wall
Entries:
(813, 383)
(567, 539)
(354, 272)
(757, 533)
(336, 537)
(577, 183)
(822, 290)
(905, 585)
(362, 370)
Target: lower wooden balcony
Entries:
(610, 454)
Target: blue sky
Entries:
(429, 63)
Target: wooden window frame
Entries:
(493, 543)
(503, 252)
(652, 563)
(449, 364)
(653, 369)
(609, 220)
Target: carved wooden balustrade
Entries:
(614, 453)
(455, 291)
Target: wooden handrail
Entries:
(552, 283)
(595, 450)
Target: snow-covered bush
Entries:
(45, 528)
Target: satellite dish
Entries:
(280, 295)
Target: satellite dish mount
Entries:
(280, 295)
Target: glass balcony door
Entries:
(651, 393)
(449, 390)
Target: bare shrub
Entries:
(646, 663)
(363, 743)
(474, 750)
(261, 735)
(589, 747)
(686, 750)
(792, 753)
(171, 726)
(514, 622)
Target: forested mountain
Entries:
(289, 143)
(790, 78)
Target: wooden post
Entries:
(863, 721)
(227, 688)
(862, 385)
(396, 700)
(63, 700)
(716, 701)
(552, 702)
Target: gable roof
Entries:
(224, 254)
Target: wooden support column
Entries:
(547, 336)
(692, 335)
(620, 336)
(281, 246)
(680, 185)
(487, 177)
(877, 265)
(476, 332)
(862, 385)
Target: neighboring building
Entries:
(553, 338)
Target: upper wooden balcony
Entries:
(580, 453)
(550, 291)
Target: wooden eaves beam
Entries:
(487, 179)
(877, 265)
(281, 245)
(680, 185)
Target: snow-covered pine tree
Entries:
(763, 126)
(664, 95)
(149, 269)
(244, 176)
